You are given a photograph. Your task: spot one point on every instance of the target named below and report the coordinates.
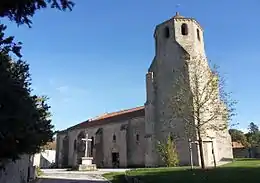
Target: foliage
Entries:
(7, 44)
(253, 139)
(168, 153)
(39, 172)
(21, 11)
(24, 118)
(237, 172)
(253, 136)
(49, 146)
(253, 128)
(200, 100)
(238, 136)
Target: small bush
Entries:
(168, 153)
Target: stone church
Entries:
(128, 138)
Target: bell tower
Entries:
(175, 40)
(187, 32)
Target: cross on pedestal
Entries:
(86, 140)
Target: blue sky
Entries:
(94, 59)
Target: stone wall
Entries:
(253, 152)
(170, 57)
(118, 145)
(174, 49)
(241, 153)
(136, 142)
(17, 172)
(124, 138)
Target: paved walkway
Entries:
(64, 176)
(56, 180)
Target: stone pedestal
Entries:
(86, 164)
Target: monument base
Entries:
(87, 165)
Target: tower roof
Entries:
(179, 17)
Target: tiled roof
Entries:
(237, 145)
(111, 118)
(112, 114)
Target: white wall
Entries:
(17, 172)
(44, 159)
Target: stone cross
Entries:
(86, 140)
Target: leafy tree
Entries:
(253, 136)
(238, 136)
(21, 11)
(168, 152)
(25, 123)
(24, 118)
(200, 100)
(253, 128)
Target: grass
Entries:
(115, 177)
(240, 171)
(39, 172)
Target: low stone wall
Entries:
(20, 171)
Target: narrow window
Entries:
(75, 144)
(92, 146)
(184, 29)
(198, 34)
(166, 32)
(114, 138)
(137, 137)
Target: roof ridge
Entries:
(136, 112)
(110, 114)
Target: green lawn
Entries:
(240, 171)
(115, 177)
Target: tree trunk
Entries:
(201, 151)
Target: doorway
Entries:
(115, 160)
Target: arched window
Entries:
(114, 138)
(137, 137)
(166, 32)
(184, 29)
(198, 34)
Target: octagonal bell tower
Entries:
(175, 40)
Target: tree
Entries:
(238, 136)
(168, 153)
(253, 128)
(200, 100)
(253, 136)
(25, 123)
(21, 11)
(25, 118)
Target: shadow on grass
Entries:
(247, 159)
(115, 177)
(218, 175)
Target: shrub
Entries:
(168, 153)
